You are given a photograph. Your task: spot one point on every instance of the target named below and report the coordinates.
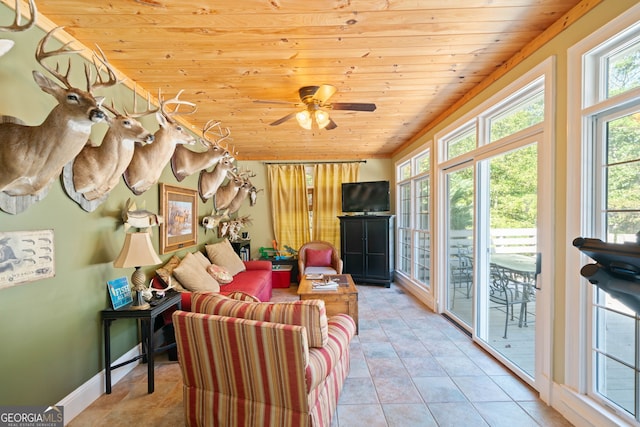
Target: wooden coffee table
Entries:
(344, 299)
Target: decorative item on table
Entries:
(137, 252)
(275, 252)
(324, 285)
(340, 279)
(119, 292)
(148, 292)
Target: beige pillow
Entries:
(204, 261)
(194, 276)
(222, 254)
(166, 273)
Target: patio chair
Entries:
(507, 292)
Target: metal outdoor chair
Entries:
(505, 290)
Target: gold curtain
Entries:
(327, 198)
(289, 205)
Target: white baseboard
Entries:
(79, 399)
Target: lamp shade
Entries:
(137, 251)
(304, 119)
(322, 118)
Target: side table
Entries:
(147, 320)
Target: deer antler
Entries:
(218, 136)
(136, 113)
(100, 82)
(16, 26)
(41, 54)
(178, 103)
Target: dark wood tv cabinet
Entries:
(366, 248)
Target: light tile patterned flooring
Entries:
(409, 367)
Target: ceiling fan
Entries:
(314, 102)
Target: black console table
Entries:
(147, 320)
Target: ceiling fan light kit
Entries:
(304, 119)
(314, 99)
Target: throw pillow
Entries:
(202, 259)
(317, 257)
(222, 254)
(220, 274)
(166, 274)
(308, 313)
(194, 276)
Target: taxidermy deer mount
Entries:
(6, 45)
(231, 195)
(185, 162)
(148, 161)
(31, 157)
(89, 178)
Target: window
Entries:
(414, 193)
(610, 120)
(462, 142)
(518, 117)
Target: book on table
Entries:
(311, 276)
(324, 285)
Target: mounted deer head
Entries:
(148, 161)
(232, 195)
(6, 45)
(94, 172)
(32, 156)
(210, 182)
(185, 162)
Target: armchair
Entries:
(319, 257)
(258, 364)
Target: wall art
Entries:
(26, 256)
(179, 208)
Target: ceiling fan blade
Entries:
(354, 106)
(324, 92)
(261, 101)
(283, 119)
(331, 125)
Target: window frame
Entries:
(585, 60)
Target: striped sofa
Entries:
(261, 364)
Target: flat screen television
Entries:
(371, 196)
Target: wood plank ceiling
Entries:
(412, 58)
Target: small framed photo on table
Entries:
(119, 292)
(179, 208)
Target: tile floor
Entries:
(409, 367)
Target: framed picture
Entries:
(179, 208)
(26, 256)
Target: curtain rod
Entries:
(314, 163)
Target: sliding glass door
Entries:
(506, 285)
(459, 193)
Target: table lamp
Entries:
(137, 252)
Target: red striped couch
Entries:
(261, 364)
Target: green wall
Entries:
(50, 330)
(557, 47)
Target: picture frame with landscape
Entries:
(179, 209)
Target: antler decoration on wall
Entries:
(5, 44)
(185, 162)
(31, 157)
(89, 178)
(148, 162)
(231, 229)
